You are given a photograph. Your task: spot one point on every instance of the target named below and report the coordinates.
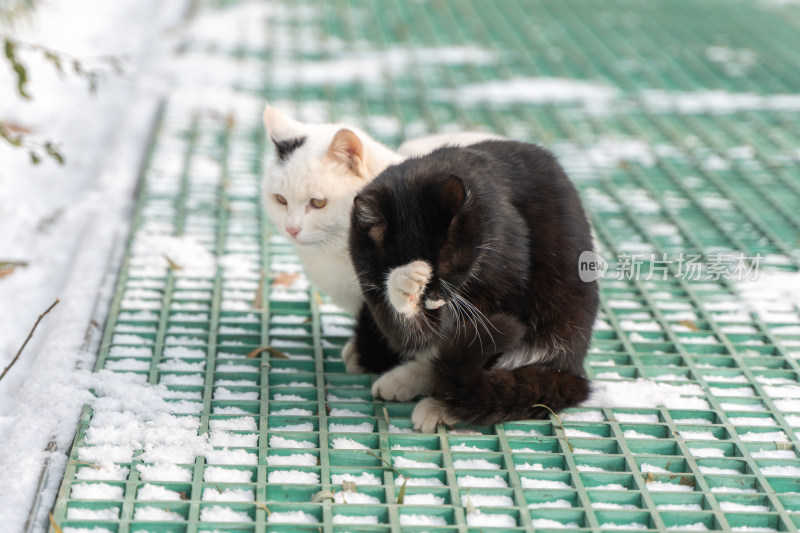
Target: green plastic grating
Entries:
(678, 145)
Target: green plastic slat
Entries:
(689, 187)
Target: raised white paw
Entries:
(350, 358)
(428, 414)
(405, 285)
(404, 382)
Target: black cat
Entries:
(468, 261)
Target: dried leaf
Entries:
(9, 46)
(689, 324)
(53, 152)
(7, 270)
(273, 352)
(22, 79)
(16, 128)
(285, 279)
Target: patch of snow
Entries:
(422, 520)
(294, 477)
(479, 481)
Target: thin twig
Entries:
(16, 357)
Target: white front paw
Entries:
(406, 284)
(350, 358)
(403, 383)
(428, 414)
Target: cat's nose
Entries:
(293, 231)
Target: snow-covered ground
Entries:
(69, 225)
(67, 222)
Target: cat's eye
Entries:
(280, 199)
(318, 204)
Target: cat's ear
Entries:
(348, 149)
(280, 126)
(452, 194)
(286, 133)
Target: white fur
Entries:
(350, 358)
(404, 382)
(405, 285)
(429, 413)
(310, 172)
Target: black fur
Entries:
(375, 354)
(503, 227)
(285, 148)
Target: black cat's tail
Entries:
(478, 395)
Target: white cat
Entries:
(309, 189)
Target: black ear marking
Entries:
(452, 194)
(285, 148)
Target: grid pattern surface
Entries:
(678, 121)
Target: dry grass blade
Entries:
(384, 461)
(258, 299)
(470, 506)
(402, 494)
(53, 523)
(30, 334)
(322, 496)
(689, 324)
(13, 263)
(95, 466)
(560, 424)
(262, 506)
(172, 264)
